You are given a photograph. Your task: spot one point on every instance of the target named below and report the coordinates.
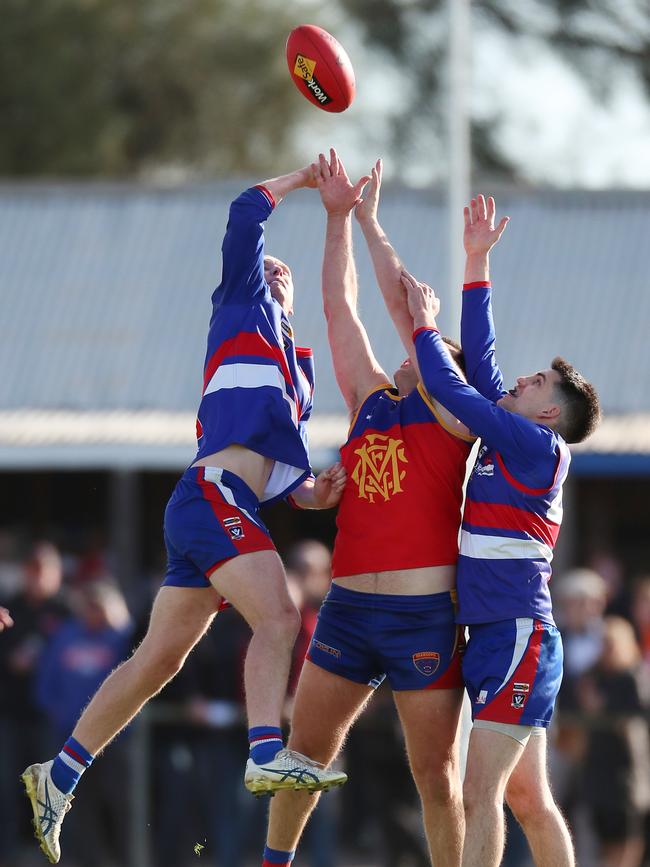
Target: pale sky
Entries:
(548, 122)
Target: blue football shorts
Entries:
(212, 516)
(367, 637)
(513, 671)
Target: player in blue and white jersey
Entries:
(513, 663)
(252, 449)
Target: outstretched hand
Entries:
(329, 486)
(366, 208)
(339, 195)
(480, 233)
(423, 304)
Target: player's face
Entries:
(534, 396)
(278, 276)
(405, 378)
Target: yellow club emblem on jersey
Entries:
(378, 472)
(304, 67)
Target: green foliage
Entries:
(115, 87)
(589, 35)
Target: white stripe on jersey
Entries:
(480, 547)
(555, 509)
(241, 375)
(524, 631)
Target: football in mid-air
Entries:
(320, 68)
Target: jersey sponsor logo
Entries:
(483, 466)
(379, 472)
(332, 651)
(234, 527)
(520, 687)
(426, 662)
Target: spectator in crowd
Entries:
(309, 570)
(581, 600)
(79, 655)
(616, 767)
(641, 616)
(37, 609)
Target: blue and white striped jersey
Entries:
(513, 507)
(257, 385)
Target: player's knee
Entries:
(479, 795)
(159, 663)
(282, 624)
(528, 799)
(438, 782)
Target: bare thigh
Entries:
(179, 617)
(430, 722)
(325, 707)
(255, 584)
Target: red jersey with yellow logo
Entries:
(402, 501)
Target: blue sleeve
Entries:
(477, 337)
(531, 449)
(242, 278)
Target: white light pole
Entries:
(458, 148)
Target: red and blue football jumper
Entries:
(400, 510)
(257, 393)
(513, 508)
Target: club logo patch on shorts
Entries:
(426, 662)
(333, 651)
(482, 697)
(519, 694)
(234, 527)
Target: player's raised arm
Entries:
(356, 368)
(477, 325)
(387, 264)
(243, 278)
(520, 439)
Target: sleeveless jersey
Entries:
(402, 501)
(257, 385)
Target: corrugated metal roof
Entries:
(160, 439)
(104, 289)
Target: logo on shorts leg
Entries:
(482, 697)
(332, 651)
(519, 695)
(426, 662)
(234, 527)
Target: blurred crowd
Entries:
(73, 625)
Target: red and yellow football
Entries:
(320, 68)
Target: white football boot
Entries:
(290, 770)
(49, 805)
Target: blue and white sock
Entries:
(264, 741)
(69, 765)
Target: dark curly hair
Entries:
(580, 405)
